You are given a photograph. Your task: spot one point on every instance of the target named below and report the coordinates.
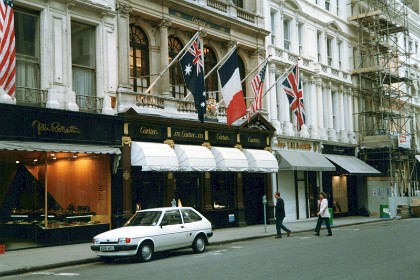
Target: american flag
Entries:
(293, 88)
(257, 85)
(7, 48)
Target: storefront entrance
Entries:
(253, 192)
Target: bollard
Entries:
(2, 249)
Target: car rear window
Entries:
(190, 216)
(147, 218)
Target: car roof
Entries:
(164, 209)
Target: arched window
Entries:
(210, 62)
(139, 59)
(242, 74)
(176, 79)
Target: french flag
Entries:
(230, 82)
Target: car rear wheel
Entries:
(199, 244)
(145, 252)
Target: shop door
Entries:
(148, 190)
(253, 191)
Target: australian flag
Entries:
(193, 71)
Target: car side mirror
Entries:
(163, 223)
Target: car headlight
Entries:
(96, 241)
(125, 240)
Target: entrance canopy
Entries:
(153, 156)
(229, 159)
(195, 158)
(57, 147)
(352, 164)
(307, 161)
(261, 161)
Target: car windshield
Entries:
(146, 218)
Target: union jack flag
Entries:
(257, 85)
(7, 48)
(293, 88)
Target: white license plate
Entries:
(107, 248)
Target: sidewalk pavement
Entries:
(41, 258)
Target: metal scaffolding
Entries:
(383, 76)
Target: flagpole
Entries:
(280, 78)
(172, 62)
(258, 66)
(221, 61)
(214, 68)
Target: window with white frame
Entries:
(340, 54)
(300, 37)
(337, 5)
(286, 34)
(27, 53)
(327, 5)
(273, 27)
(329, 51)
(318, 46)
(83, 52)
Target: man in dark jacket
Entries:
(280, 214)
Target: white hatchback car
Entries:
(155, 230)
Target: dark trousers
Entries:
(279, 226)
(319, 223)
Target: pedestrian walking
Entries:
(280, 215)
(323, 214)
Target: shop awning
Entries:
(352, 164)
(57, 147)
(261, 161)
(195, 158)
(229, 159)
(307, 161)
(153, 156)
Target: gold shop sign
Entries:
(54, 127)
(295, 146)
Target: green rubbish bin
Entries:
(384, 211)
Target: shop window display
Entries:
(65, 191)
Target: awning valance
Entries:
(229, 159)
(352, 164)
(195, 158)
(57, 147)
(261, 161)
(307, 161)
(153, 156)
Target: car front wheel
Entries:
(199, 244)
(145, 252)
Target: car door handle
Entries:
(182, 226)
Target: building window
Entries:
(337, 5)
(301, 36)
(27, 56)
(176, 79)
(339, 52)
(273, 27)
(139, 60)
(327, 5)
(286, 34)
(210, 62)
(83, 53)
(238, 3)
(319, 36)
(329, 51)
